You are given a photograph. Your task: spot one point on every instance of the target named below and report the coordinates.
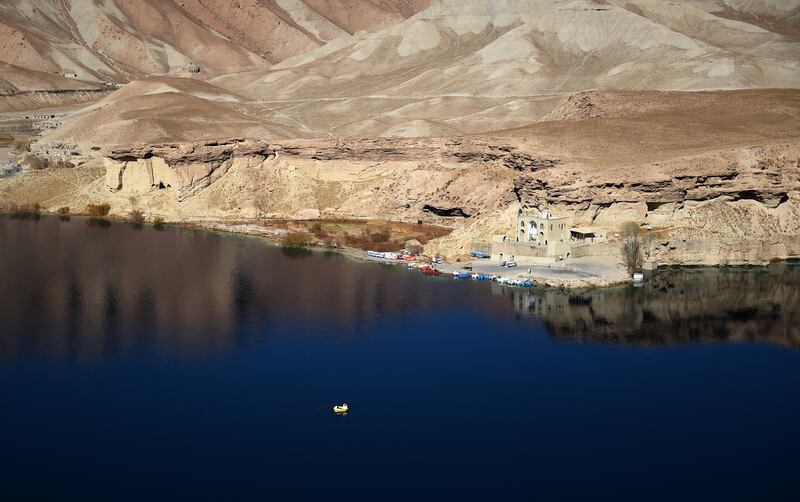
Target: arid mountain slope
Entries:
(120, 40)
(160, 108)
(474, 66)
(538, 47)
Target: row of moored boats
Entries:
(429, 268)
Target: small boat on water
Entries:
(430, 271)
(341, 408)
(481, 277)
(462, 275)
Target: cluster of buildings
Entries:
(58, 152)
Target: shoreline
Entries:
(575, 280)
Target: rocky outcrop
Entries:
(188, 168)
(736, 206)
(185, 169)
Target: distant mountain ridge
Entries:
(538, 47)
(457, 67)
(121, 40)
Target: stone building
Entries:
(539, 237)
(544, 229)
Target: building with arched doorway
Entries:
(542, 229)
(539, 236)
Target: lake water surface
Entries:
(137, 363)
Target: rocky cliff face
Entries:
(184, 169)
(715, 175)
(734, 206)
(393, 179)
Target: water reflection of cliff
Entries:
(678, 306)
(70, 290)
(74, 291)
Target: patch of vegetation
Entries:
(632, 248)
(296, 239)
(158, 223)
(24, 211)
(136, 218)
(63, 213)
(377, 241)
(375, 235)
(98, 210)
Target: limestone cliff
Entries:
(733, 206)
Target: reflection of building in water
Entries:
(534, 302)
(677, 306)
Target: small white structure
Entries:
(71, 75)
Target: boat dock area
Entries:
(591, 271)
(595, 271)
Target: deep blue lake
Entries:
(182, 364)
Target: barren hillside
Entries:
(116, 40)
(466, 67)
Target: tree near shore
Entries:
(631, 249)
